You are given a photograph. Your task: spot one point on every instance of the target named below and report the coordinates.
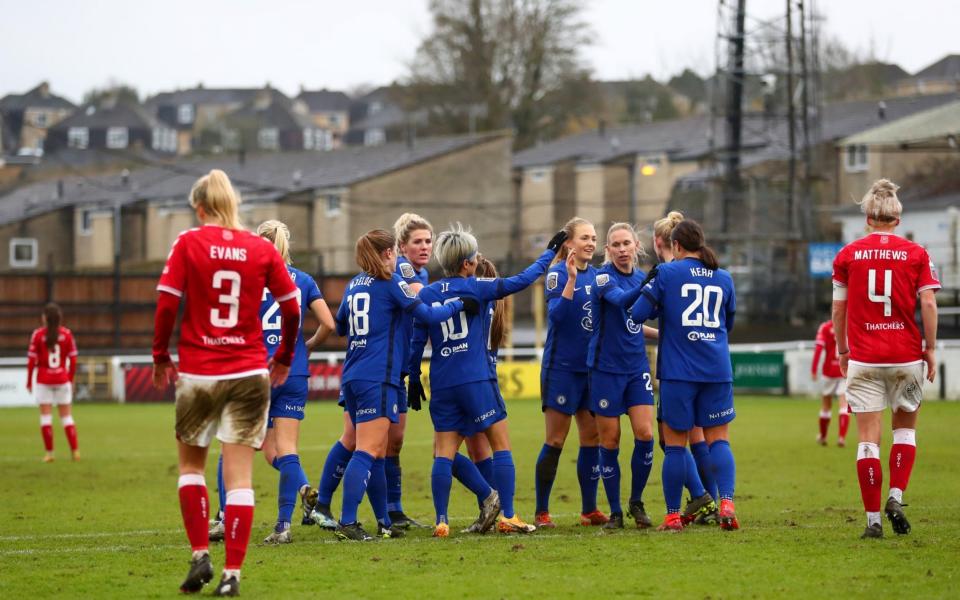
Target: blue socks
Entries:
(506, 476)
(724, 468)
(610, 473)
(640, 465)
(588, 474)
(221, 490)
(674, 473)
(394, 488)
(333, 469)
(485, 467)
(692, 479)
(377, 491)
(441, 478)
(292, 478)
(355, 478)
(469, 475)
(546, 473)
(701, 453)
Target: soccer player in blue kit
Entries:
(696, 303)
(371, 315)
(620, 381)
(464, 399)
(287, 402)
(563, 374)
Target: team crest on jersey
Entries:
(587, 287)
(604, 403)
(561, 399)
(602, 279)
(406, 270)
(406, 290)
(552, 279)
(227, 234)
(633, 327)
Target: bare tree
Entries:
(490, 64)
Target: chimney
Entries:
(882, 110)
(44, 89)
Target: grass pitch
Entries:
(109, 526)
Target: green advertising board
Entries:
(759, 371)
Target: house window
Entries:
(40, 120)
(307, 138)
(374, 107)
(23, 253)
(185, 114)
(374, 137)
(334, 120)
(857, 158)
(117, 138)
(538, 175)
(333, 205)
(78, 137)
(164, 139)
(322, 139)
(268, 138)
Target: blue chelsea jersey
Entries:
(409, 274)
(696, 307)
(371, 316)
(570, 322)
(461, 352)
(307, 292)
(617, 344)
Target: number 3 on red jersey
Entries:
(231, 300)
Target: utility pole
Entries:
(791, 123)
(732, 190)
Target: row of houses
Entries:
(197, 119)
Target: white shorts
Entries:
(233, 410)
(832, 386)
(61, 393)
(871, 389)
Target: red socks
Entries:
(46, 430)
(195, 509)
(237, 523)
(71, 431)
(870, 474)
(902, 454)
(844, 422)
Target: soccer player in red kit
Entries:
(224, 378)
(877, 283)
(832, 384)
(53, 354)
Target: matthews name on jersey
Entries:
(571, 321)
(270, 320)
(880, 276)
(222, 273)
(703, 302)
(617, 344)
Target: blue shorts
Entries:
(288, 400)
(563, 391)
(611, 394)
(370, 400)
(467, 409)
(686, 404)
(402, 406)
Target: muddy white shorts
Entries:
(233, 410)
(46, 393)
(832, 386)
(871, 388)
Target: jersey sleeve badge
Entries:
(406, 290)
(552, 279)
(603, 279)
(406, 271)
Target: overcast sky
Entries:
(340, 44)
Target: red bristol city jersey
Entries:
(883, 273)
(52, 362)
(827, 339)
(221, 274)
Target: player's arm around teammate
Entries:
(878, 281)
(53, 353)
(223, 388)
(696, 303)
(563, 377)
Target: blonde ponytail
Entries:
(215, 194)
(662, 228)
(277, 233)
(880, 203)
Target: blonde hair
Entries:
(453, 247)
(881, 202)
(369, 247)
(215, 194)
(570, 229)
(406, 224)
(662, 228)
(641, 253)
(498, 325)
(278, 233)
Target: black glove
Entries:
(415, 393)
(557, 240)
(470, 306)
(650, 276)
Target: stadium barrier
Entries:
(774, 368)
